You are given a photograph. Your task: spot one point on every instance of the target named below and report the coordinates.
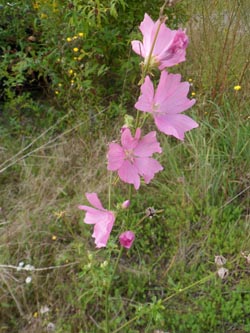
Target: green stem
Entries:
(108, 291)
(109, 190)
(207, 278)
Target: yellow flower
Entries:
(60, 214)
(43, 16)
(75, 37)
(75, 49)
(237, 88)
(69, 39)
(56, 92)
(35, 314)
(193, 93)
(53, 237)
(81, 34)
(72, 81)
(190, 80)
(75, 58)
(71, 71)
(59, 84)
(35, 5)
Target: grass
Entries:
(167, 281)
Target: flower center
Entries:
(129, 155)
(155, 107)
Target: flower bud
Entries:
(220, 260)
(223, 273)
(126, 239)
(126, 204)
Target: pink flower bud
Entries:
(126, 204)
(126, 239)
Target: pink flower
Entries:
(126, 239)
(103, 219)
(133, 158)
(167, 103)
(126, 204)
(170, 46)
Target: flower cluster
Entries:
(132, 158)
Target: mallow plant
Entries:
(133, 156)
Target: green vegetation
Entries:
(55, 125)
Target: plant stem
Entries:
(108, 290)
(109, 191)
(207, 278)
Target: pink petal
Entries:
(115, 156)
(176, 52)
(146, 27)
(147, 167)
(175, 105)
(175, 124)
(147, 145)
(145, 101)
(103, 229)
(167, 86)
(138, 48)
(94, 200)
(128, 142)
(94, 216)
(129, 174)
(164, 40)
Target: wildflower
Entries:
(220, 260)
(223, 272)
(69, 39)
(43, 16)
(193, 93)
(126, 204)
(103, 219)
(75, 49)
(133, 158)
(167, 103)
(236, 88)
(80, 34)
(54, 238)
(246, 256)
(35, 314)
(126, 239)
(190, 80)
(150, 212)
(169, 48)
(56, 92)
(44, 309)
(70, 71)
(104, 264)
(59, 85)
(60, 214)
(28, 279)
(51, 327)
(29, 267)
(20, 266)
